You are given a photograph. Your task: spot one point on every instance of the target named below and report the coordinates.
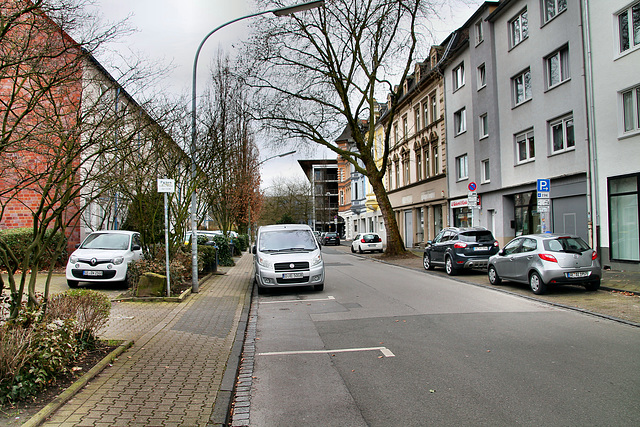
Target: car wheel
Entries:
(319, 287)
(360, 249)
(72, 283)
(426, 262)
(494, 279)
(537, 285)
(353, 251)
(448, 266)
(592, 286)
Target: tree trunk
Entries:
(395, 245)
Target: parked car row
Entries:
(539, 260)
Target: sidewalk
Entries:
(174, 374)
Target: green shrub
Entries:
(242, 243)
(207, 254)
(35, 348)
(19, 239)
(224, 251)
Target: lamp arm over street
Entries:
(283, 11)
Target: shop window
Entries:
(624, 218)
(526, 214)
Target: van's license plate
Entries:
(92, 273)
(292, 275)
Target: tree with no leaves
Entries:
(318, 69)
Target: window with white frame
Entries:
(484, 126)
(405, 168)
(631, 110)
(521, 87)
(460, 121)
(557, 67)
(458, 77)
(629, 28)
(462, 167)
(418, 165)
(435, 167)
(479, 32)
(397, 174)
(405, 127)
(416, 118)
(395, 133)
(434, 107)
(551, 8)
(561, 134)
(425, 112)
(482, 76)
(525, 147)
(519, 28)
(485, 171)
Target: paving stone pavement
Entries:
(173, 372)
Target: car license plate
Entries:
(480, 248)
(578, 274)
(92, 273)
(292, 275)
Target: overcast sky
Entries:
(170, 31)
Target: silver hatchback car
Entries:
(543, 260)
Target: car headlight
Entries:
(264, 262)
(118, 260)
(316, 260)
(73, 259)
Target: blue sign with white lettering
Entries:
(544, 185)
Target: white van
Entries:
(287, 255)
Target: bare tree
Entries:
(319, 69)
(229, 155)
(287, 197)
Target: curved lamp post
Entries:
(283, 11)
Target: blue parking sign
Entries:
(544, 185)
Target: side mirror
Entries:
(253, 249)
(429, 242)
(77, 245)
(501, 252)
(136, 248)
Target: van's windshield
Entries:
(286, 240)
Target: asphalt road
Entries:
(384, 345)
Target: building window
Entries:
(341, 198)
(629, 28)
(397, 174)
(405, 128)
(458, 77)
(479, 32)
(427, 170)
(484, 126)
(405, 168)
(460, 121)
(561, 133)
(425, 108)
(434, 107)
(486, 171)
(631, 110)
(434, 160)
(521, 87)
(389, 176)
(416, 117)
(462, 167)
(525, 147)
(624, 218)
(482, 76)
(557, 67)
(526, 213)
(418, 165)
(519, 28)
(395, 133)
(551, 8)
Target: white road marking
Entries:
(329, 298)
(384, 350)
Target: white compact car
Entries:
(366, 242)
(287, 255)
(104, 256)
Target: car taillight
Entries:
(495, 244)
(548, 257)
(362, 240)
(594, 255)
(460, 245)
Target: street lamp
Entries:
(283, 11)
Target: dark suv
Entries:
(457, 248)
(331, 239)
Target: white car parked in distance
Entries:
(363, 242)
(104, 256)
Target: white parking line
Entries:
(384, 350)
(329, 298)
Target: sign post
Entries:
(166, 186)
(472, 200)
(544, 201)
